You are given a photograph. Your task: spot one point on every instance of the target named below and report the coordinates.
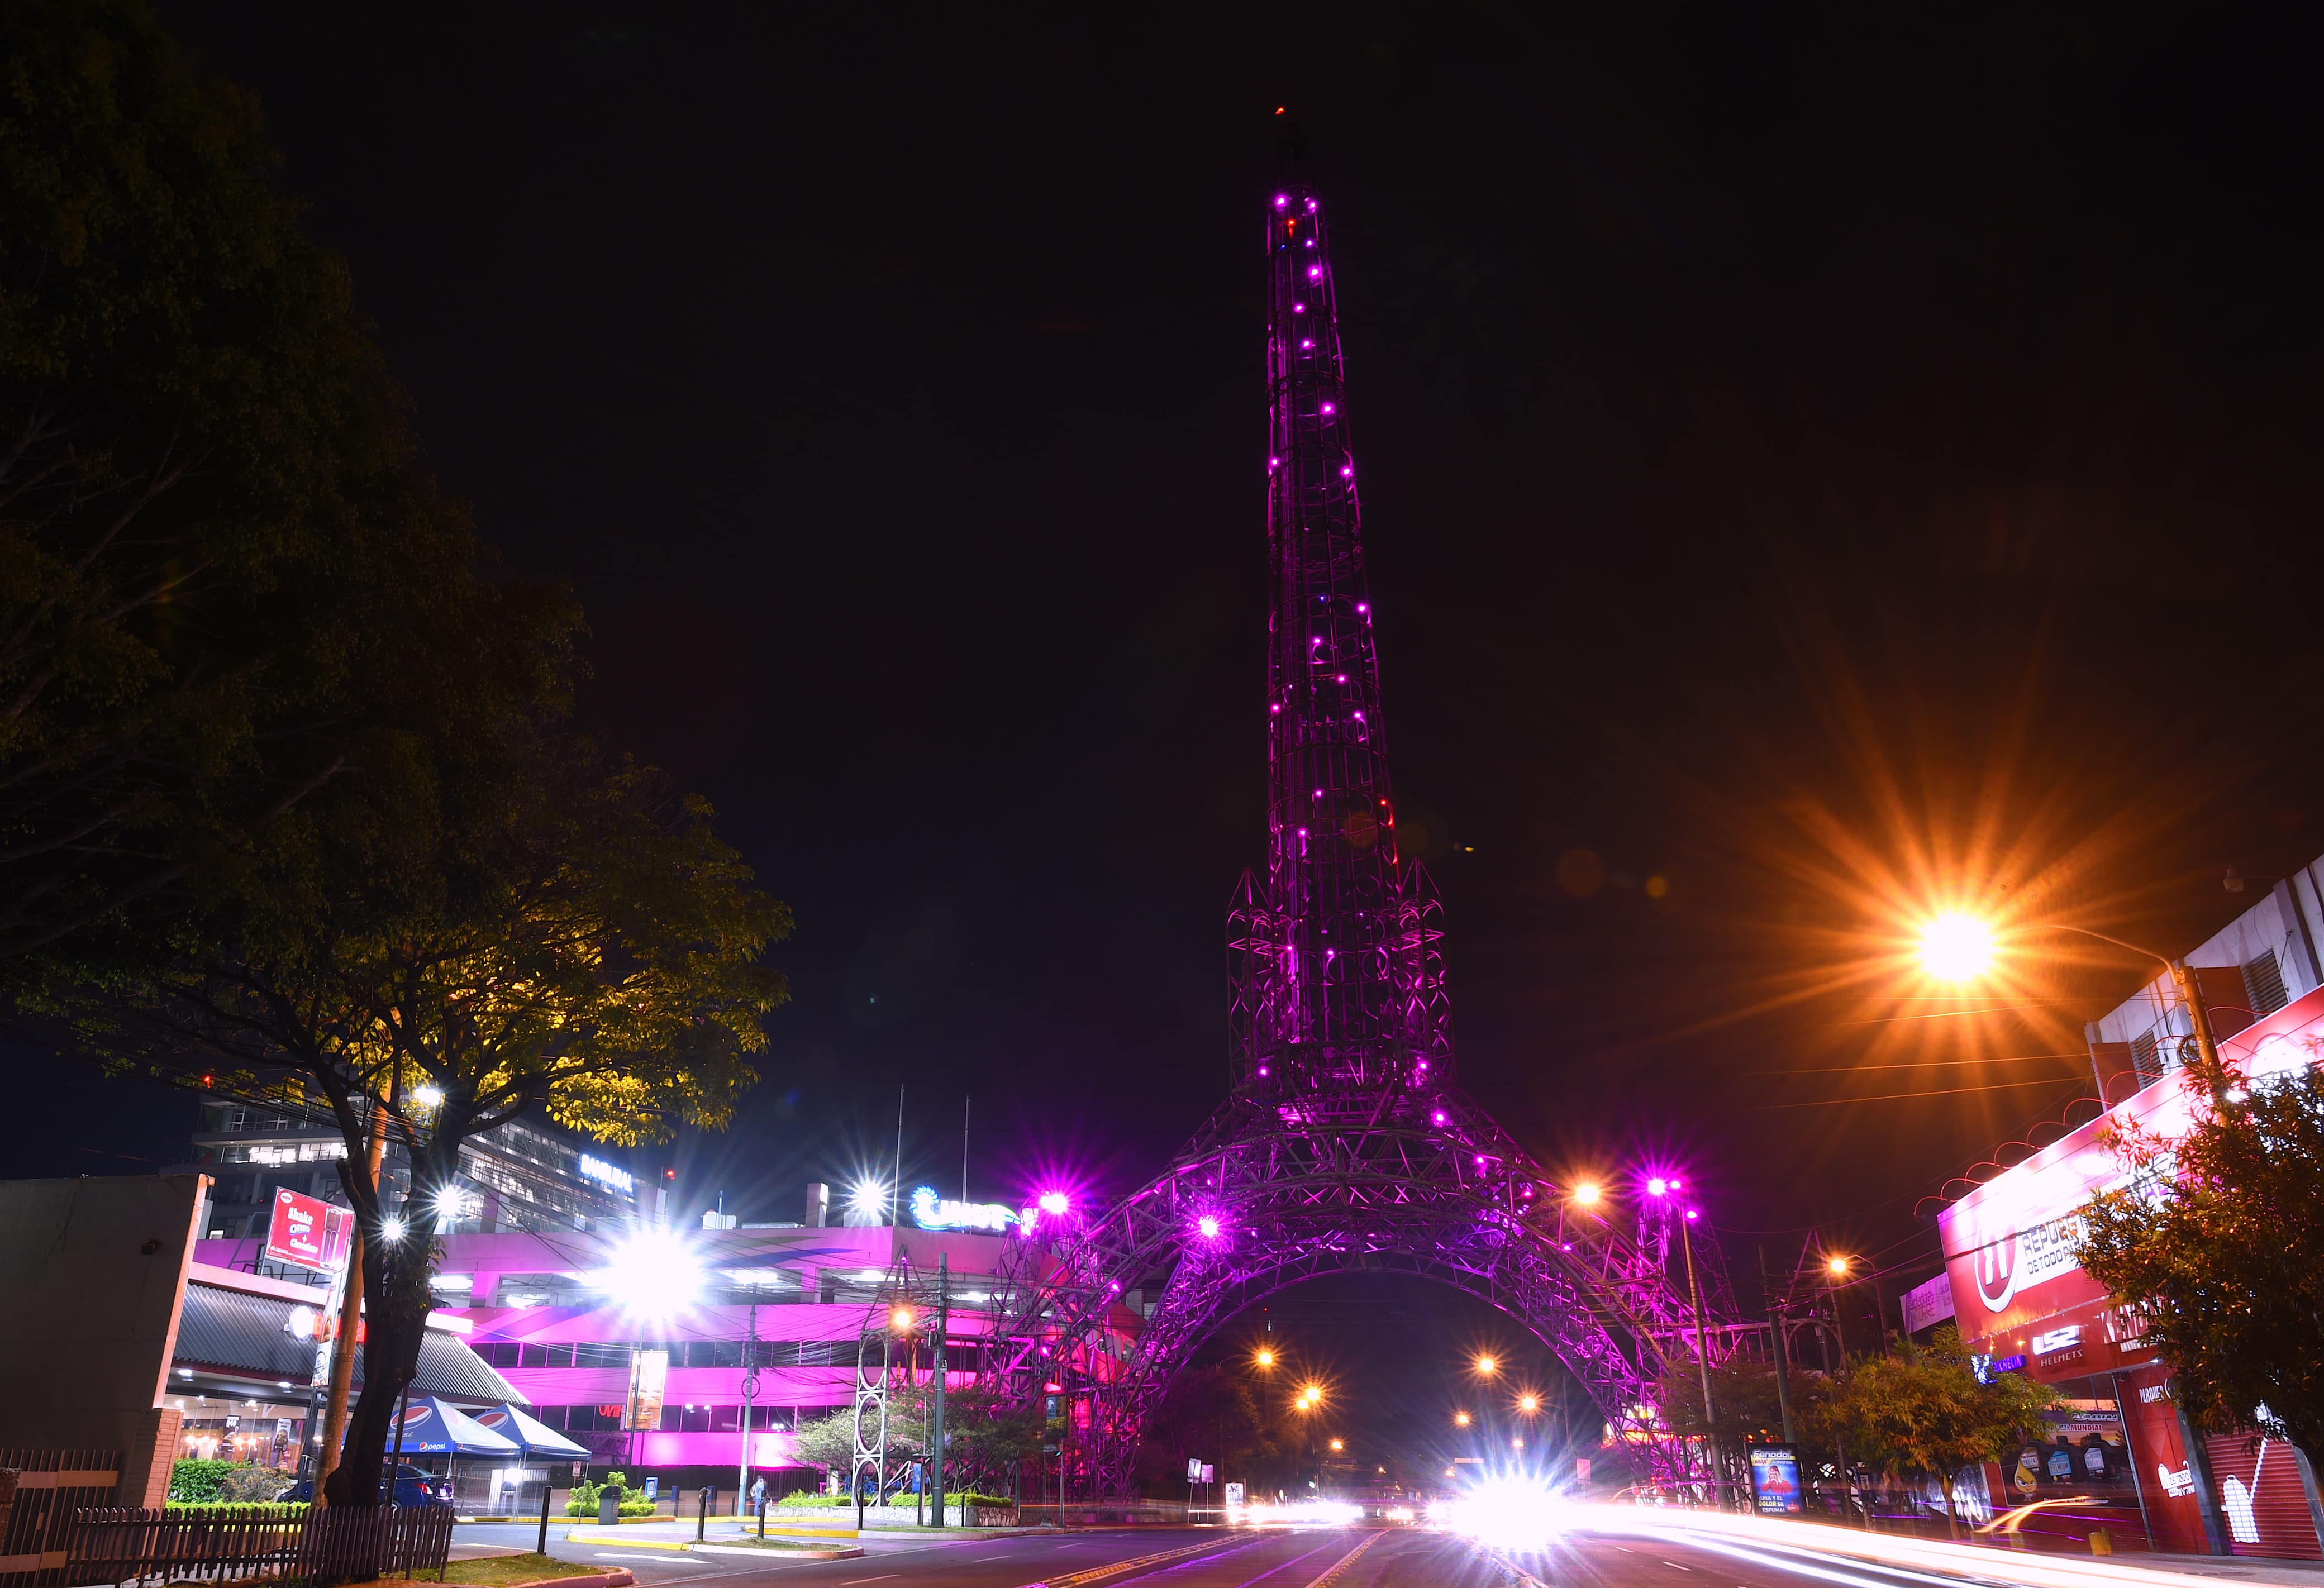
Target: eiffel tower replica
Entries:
(1344, 1142)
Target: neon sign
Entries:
(931, 1213)
(598, 1169)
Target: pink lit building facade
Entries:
(795, 1299)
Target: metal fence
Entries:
(111, 1544)
(40, 1491)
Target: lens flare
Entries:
(1956, 947)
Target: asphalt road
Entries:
(1396, 1557)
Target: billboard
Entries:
(1776, 1481)
(308, 1231)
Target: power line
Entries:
(1896, 1097)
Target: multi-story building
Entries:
(730, 1338)
(2118, 1453)
(522, 1177)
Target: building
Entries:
(522, 1177)
(2023, 1304)
(735, 1336)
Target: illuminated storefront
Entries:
(2119, 1455)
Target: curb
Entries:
(782, 1553)
(592, 1579)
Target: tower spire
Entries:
(1336, 986)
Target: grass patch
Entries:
(499, 1571)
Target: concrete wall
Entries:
(95, 1272)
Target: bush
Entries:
(633, 1502)
(800, 1498)
(972, 1498)
(225, 1483)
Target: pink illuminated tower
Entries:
(1337, 981)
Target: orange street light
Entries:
(1956, 947)
(1528, 1403)
(1338, 1445)
(900, 1320)
(1266, 1358)
(1586, 1194)
(1460, 1419)
(1836, 1266)
(1488, 1365)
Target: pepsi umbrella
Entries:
(536, 1438)
(430, 1427)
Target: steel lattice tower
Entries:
(1343, 1142)
(1337, 984)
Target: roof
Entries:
(239, 1332)
(432, 1427)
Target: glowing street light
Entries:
(1265, 1359)
(1586, 1194)
(1460, 1419)
(1339, 1445)
(1488, 1365)
(390, 1230)
(1956, 947)
(900, 1320)
(1528, 1403)
(427, 1096)
(1837, 1267)
(868, 1199)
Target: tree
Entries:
(1750, 1412)
(1920, 1412)
(1208, 1413)
(502, 926)
(2218, 1242)
(210, 500)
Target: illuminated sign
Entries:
(2057, 1339)
(930, 1213)
(606, 1174)
(310, 1233)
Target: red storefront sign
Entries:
(308, 1231)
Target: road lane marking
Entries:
(881, 1578)
(1676, 1567)
(668, 1560)
(1091, 1574)
(1331, 1572)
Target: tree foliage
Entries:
(2219, 1241)
(1210, 1414)
(211, 509)
(1920, 1412)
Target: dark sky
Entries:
(1823, 456)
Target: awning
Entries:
(536, 1439)
(431, 1427)
(240, 1334)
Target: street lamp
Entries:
(1460, 1419)
(1528, 1403)
(1959, 948)
(1660, 1187)
(1488, 1365)
(1263, 1359)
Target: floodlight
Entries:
(651, 1274)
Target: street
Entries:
(1656, 1556)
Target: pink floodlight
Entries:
(1692, 1213)
(1658, 1187)
(1440, 1116)
(1209, 1226)
(1281, 201)
(1055, 1202)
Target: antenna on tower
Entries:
(1291, 142)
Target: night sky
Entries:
(1826, 459)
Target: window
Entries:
(725, 1419)
(2263, 981)
(547, 1356)
(500, 1353)
(593, 1355)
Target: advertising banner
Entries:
(649, 1374)
(308, 1231)
(1776, 1481)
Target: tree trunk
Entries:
(343, 1351)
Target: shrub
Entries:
(633, 1502)
(224, 1482)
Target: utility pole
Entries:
(750, 1392)
(1701, 1347)
(936, 1388)
(1782, 1369)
